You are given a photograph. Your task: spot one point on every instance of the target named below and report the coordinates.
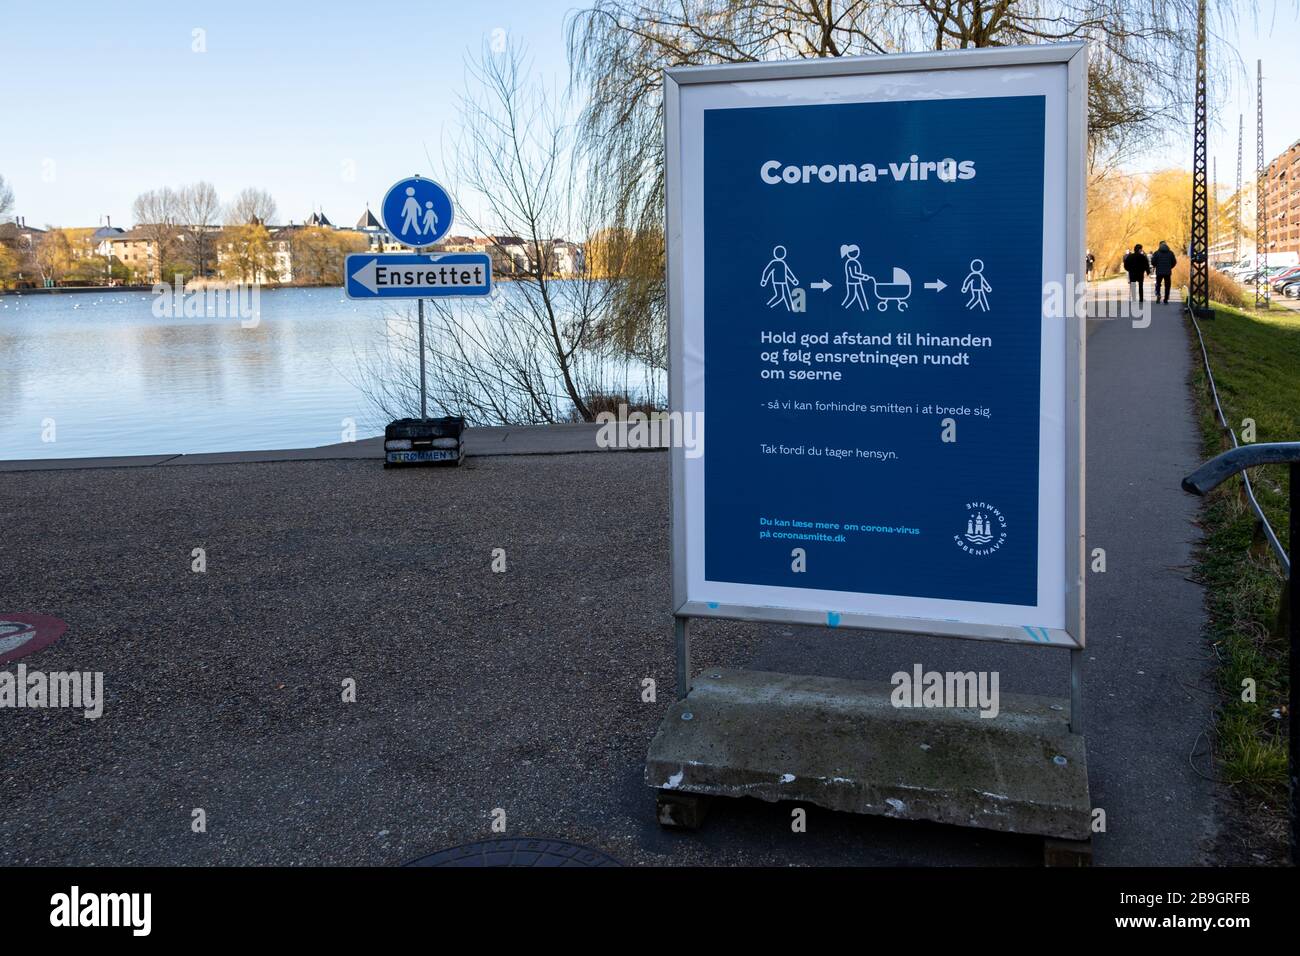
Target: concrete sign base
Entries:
(843, 745)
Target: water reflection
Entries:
(117, 380)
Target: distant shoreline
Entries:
(196, 288)
(199, 285)
(58, 290)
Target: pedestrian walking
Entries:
(1137, 266)
(1088, 264)
(1163, 261)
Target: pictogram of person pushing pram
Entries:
(855, 280)
(854, 293)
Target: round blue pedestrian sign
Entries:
(417, 211)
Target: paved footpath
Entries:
(1150, 690)
(523, 690)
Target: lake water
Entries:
(115, 380)
(102, 375)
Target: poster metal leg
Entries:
(682, 636)
(1076, 691)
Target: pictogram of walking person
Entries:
(854, 292)
(411, 212)
(781, 277)
(977, 286)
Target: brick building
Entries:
(1282, 187)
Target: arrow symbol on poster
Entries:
(938, 285)
(821, 286)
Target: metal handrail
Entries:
(1245, 478)
(1219, 469)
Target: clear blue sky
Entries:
(287, 91)
(111, 100)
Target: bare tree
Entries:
(1142, 64)
(6, 199)
(619, 48)
(157, 216)
(530, 354)
(199, 212)
(251, 206)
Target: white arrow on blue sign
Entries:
(411, 275)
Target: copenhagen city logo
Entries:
(986, 529)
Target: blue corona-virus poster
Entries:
(872, 320)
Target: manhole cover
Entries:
(517, 851)
(23, 634)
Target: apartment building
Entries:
(1282, 203)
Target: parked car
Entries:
(1251, 268)
(1267, 275)
(1285, 276)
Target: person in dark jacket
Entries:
(1089, 261)
(1137, 267)
(1163, 261)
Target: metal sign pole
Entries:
(424, 408)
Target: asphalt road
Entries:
(522, 690)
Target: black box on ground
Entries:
(424, 441)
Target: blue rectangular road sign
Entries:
(409, 275)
